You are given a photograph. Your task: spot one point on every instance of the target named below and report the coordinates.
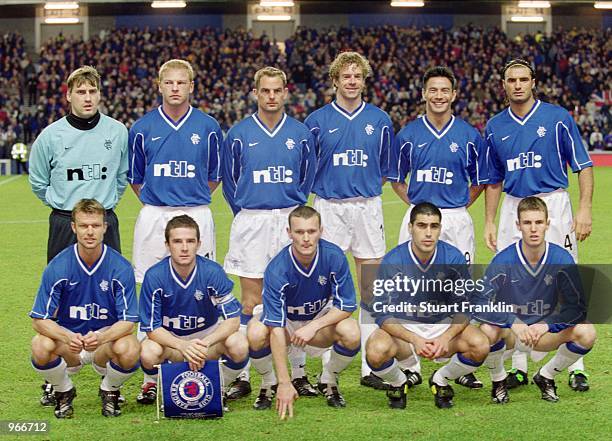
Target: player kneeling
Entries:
(84, 312)
(181, 301)
(308, 298)
(431, 335)
(528, 273)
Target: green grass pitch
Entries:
(23, 236)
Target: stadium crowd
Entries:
(573, 71)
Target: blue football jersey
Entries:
(531, 154)
(442, 164)
(186, 306)
(550, 292)
(435, 283)
(352, 150)
(175, 160)
(265, 169)
(83, 298)
(296, 293)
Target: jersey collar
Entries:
(535, 270)
(90, 270)
(432, 129)
(178, 279)
(275, 130)
(417, 262)
(348, 115)
(175, 125)
(298, 266)
(523, 120)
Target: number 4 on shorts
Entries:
(568, 242)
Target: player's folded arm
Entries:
(571, 308)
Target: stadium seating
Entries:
(571, 67)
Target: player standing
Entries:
(434, 335)
(352, 143)
(174, 167)
(446, 160)
(83, 155)
(268, 169)
(308, 298)
(182, 300)
(86, 309)
(533, 271)
(529, 146)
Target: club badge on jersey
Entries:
(191, 394)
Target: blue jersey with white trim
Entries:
(175, 160)
(352, 150)
(446, 264)
(531, 154)
(442, 164)
(82, 298)
(267, 169)
(186, 306)
(549, 292)
(296, 293)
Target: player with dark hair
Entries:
(85, 312)
(308, 298)
(532, 272)
(268, 169)
(83, 155)
(446, 160)
(352, 143)
(435, 335)
(529, 146)
(182, 300)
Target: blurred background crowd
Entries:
(572, 68)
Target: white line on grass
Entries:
(11, 179)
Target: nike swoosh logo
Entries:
(334, 130)
(155, 138)
(73, 283)
(421, 145)
(251, 144)
(505, 137)
(167, 295)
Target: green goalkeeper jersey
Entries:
(68, 164)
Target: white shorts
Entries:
(559, 213)
(354, 224)
(427, 331)
(150, 242)
(457, 229)
(199, 334)
(256, 237)
(293, 325)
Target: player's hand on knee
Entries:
(490, 233)
(75, 344)
(285, 397)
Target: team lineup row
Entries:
(175, 156)
(86, 308)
